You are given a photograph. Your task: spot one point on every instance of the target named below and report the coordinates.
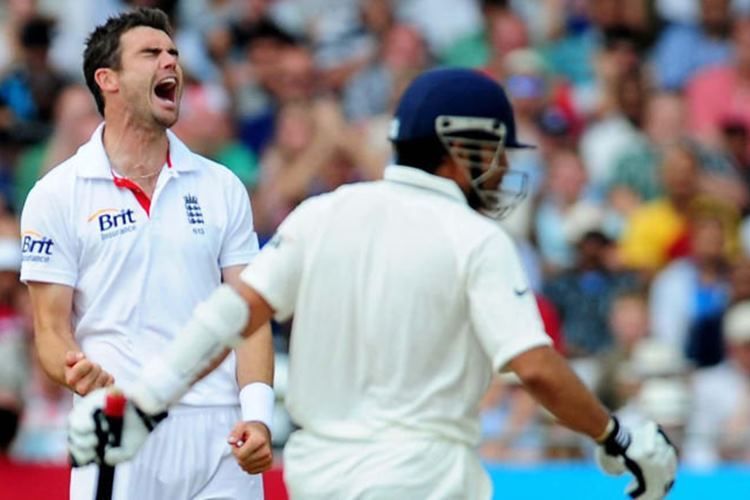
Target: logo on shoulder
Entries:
(36, 247)
(113, 221)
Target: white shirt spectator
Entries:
(716, 397)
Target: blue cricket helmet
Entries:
(469, 116)
(451, 92)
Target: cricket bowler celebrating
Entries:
(120, 243)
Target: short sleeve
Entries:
(503, 311)
(48, 247)
(277, 270)
(240, 242)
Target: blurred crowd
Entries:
(635, 235)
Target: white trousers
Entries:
(186, 457)
(320, 469)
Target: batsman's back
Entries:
(382, 343)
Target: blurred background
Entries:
(636, 234)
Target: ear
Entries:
(107, 80)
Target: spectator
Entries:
(563, 206)
(655, 232)
(529, 89)
(369, 93)
(15, 14)
(207, 129)
(312, 152)
(666, 401)
(628, 322)
(583, 296)
(42, 433)
(76, 118)
(618, 131)
(442, 22)
(635, 178)
(684, 49)
(282, 72)
(718, 95)
(619, 57)
(655, 384)
(718, 393)
(71, 28)
(506, 33)
(32, 85)
(13, 344)
(472, 50)
(694, 288)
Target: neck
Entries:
(135, 151)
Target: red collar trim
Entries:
(141, 197)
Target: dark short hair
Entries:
(103, 44)
(425, 154)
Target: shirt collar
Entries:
(93, 162)
(421, 179)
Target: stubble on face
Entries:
(150, 77)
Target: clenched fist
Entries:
(83, 376)
(251, 446)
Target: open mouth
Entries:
(166, 90)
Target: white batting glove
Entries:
(90, 438)
(645, 452)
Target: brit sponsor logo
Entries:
(36, 247)
(113, 222)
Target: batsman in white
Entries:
(405, 300)
(120, 243)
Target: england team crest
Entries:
(193, 209)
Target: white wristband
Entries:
(257, 402)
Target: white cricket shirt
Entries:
(404, 299)
(138, 268)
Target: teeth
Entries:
(169, 80)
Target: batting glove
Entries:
(90, 438)
(645, 452)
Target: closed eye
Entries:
(155, 51)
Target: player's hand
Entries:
(82, 375)
(645, 452)
(90, 437)
(251, 446)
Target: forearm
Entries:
(53, 329)
(51, 347)
(218, 323)
(255, 358)
(549, 379)
(255, 377)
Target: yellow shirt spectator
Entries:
(651, 234)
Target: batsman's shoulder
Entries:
(482, 228)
